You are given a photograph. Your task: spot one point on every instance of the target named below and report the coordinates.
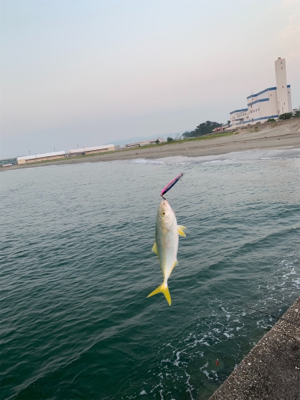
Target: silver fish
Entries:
(166, 245)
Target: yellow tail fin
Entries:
(163, 288)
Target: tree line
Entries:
(202, 129)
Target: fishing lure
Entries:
(170, 185)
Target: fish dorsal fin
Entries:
(181, 228)
(154, 248)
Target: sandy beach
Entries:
(279, 135)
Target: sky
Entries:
(90, 72)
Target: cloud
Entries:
(289, 3)
(293, 18)
(283, 6)
(290, 34)
(289, 38)
(285, 16)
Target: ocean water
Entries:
(77, 266)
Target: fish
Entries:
(166, 245)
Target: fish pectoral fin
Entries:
(181, 228)
(154, 248)
(163, 288)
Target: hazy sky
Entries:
(89, 72)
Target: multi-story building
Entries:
(268, 103)
(284, 100)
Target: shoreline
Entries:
(271, 136)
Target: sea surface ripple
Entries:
(77, 266)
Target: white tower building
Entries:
(284, 101)
(267, 104)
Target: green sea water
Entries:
(77, 266)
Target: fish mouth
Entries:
(164, 204)
(164, 208)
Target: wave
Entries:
(228, 158)
(144, 161)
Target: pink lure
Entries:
(170, 185)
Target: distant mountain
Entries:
(141, 138)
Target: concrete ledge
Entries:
(272, 369)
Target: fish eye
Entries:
(163, 213)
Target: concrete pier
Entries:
(272, 369)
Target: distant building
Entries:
(145, 142)
(219, 129)
(152, 141)
(269, 103)
(296, 110)
(82, 151)
(132, 145)
(56, 155)
(8, 162)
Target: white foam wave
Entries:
(217, 161)
(229, 158)
(144, 161)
